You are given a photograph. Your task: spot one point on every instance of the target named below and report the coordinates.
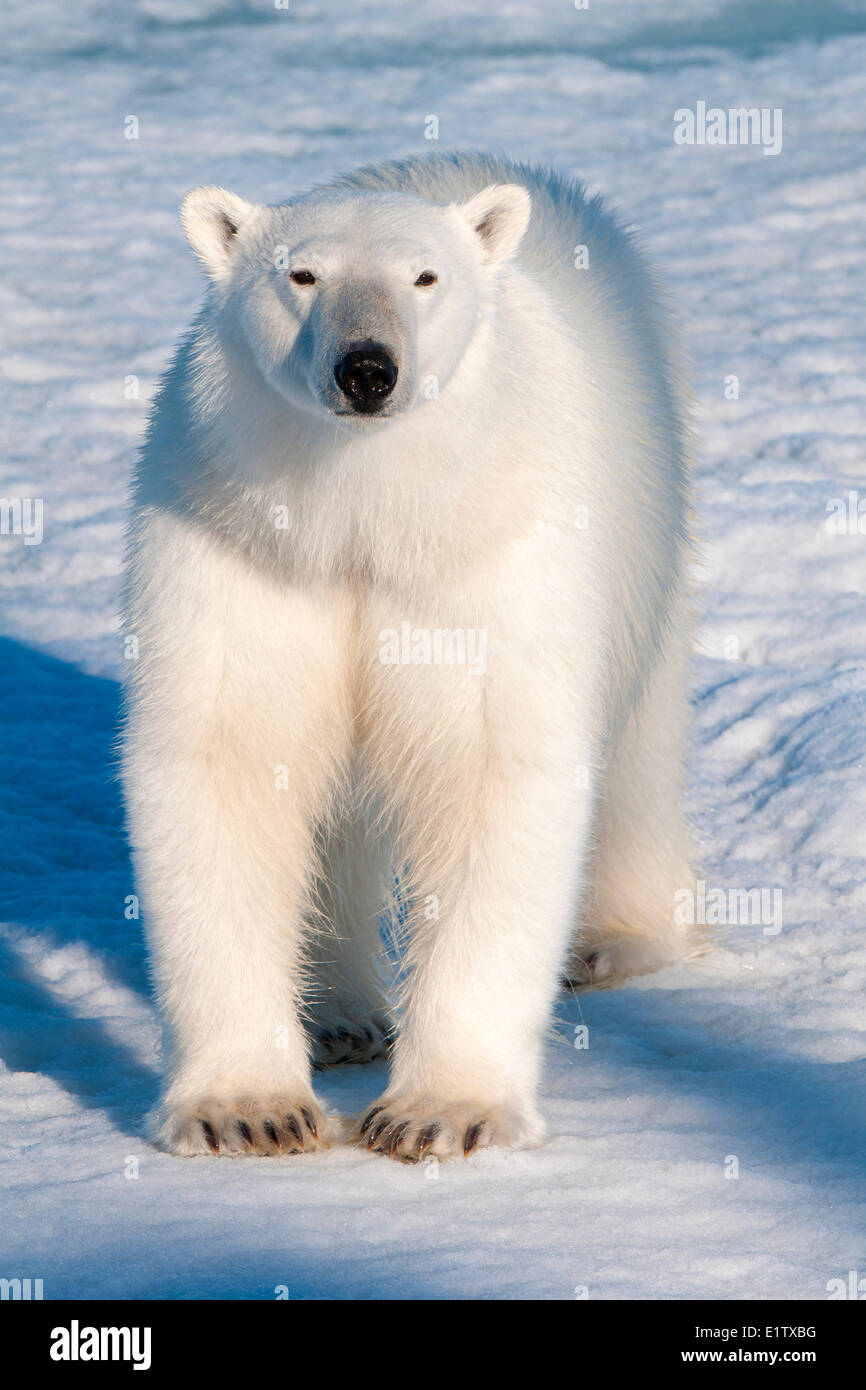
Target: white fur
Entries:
(530, 811)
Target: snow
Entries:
(755, 1053)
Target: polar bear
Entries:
(407, 570)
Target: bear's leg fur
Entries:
(642, 852)
(238, 730)
(348, 1012)
(494, 837)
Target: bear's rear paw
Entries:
(350, 1035)
(269, 1126)
(415, 1128)
(609, 963)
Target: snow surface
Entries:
(757, 1052)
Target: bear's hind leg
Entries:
(349, 1016)
(643, 855)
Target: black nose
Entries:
(366, 375)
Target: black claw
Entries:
(426, 1138)
(245, 1132)
(396, 1136)
(310, 1122)
(473, 1134)
(209, 1137)
(370, 1117)
(271, 1132)
(376, 1129)
(295, 1129)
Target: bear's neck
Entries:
(311, 499)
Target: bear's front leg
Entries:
(237, 723)
(495, 820)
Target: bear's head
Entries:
(355, 305)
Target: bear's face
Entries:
(356, 306)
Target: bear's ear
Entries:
(212, 218)
(499, 215)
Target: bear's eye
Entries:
(426, 277)
(302, 277)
